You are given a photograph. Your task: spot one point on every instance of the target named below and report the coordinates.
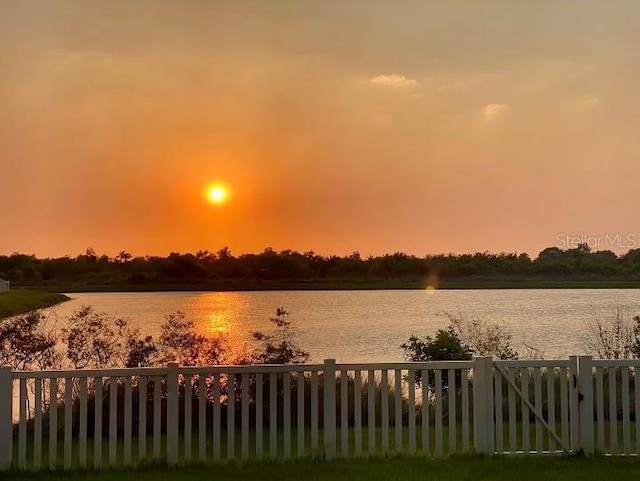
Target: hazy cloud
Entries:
(328, 89)
(494, 111)
(394, 80)
(589, 103)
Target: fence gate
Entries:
(526, 407)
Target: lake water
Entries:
(361, 326)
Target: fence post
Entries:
(6, 422)
(585, 385)
(329, 408)
(173, 413)
(483, 405)
(491, 433)
(574, 403)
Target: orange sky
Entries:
(375, 126)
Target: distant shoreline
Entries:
(345, 285)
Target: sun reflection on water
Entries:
(223, 314)
(218, 323)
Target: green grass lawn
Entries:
(308, 453)
(19, 301)
(404, 468)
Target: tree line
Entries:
(205, 267)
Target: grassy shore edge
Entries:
(20, 301)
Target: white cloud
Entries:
(494, 111)
(589, 103)
(393, 80)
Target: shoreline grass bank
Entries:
(19, 301)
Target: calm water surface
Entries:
(361, 326)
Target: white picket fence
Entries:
(177, 414)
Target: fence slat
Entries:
(574, 403)
(172, 413)
(22, 426)
(202, 417)
(97, 424)
(524, 387)
(216, 422)
(157, 418)
(613, 411)
(384, 407)
(412, 410)
(53, 422)
(600, 408)
(127, 420)
(537, 387)
(497, 401)
(245, 416)
(551, 405)
(68, 421)
(438, 449)
(188, 416)
(465, 410)
(113, 421)
(564, 405)
(273, 416)
(142, 418)
(300, 380)
(286, 415)
(37, 425)
(453, 429)
(344, 414)
(371, 412)
(259, 411)
(231, 417)
(426, 445)
(626, 429)
(314, 413)
(397, 402)
(513, 421)
(357, 412)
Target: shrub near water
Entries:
(93, 340)
(27, 342)
(96, 340)
(89, 334)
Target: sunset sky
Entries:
(336, 126)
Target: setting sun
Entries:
(217, 194)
